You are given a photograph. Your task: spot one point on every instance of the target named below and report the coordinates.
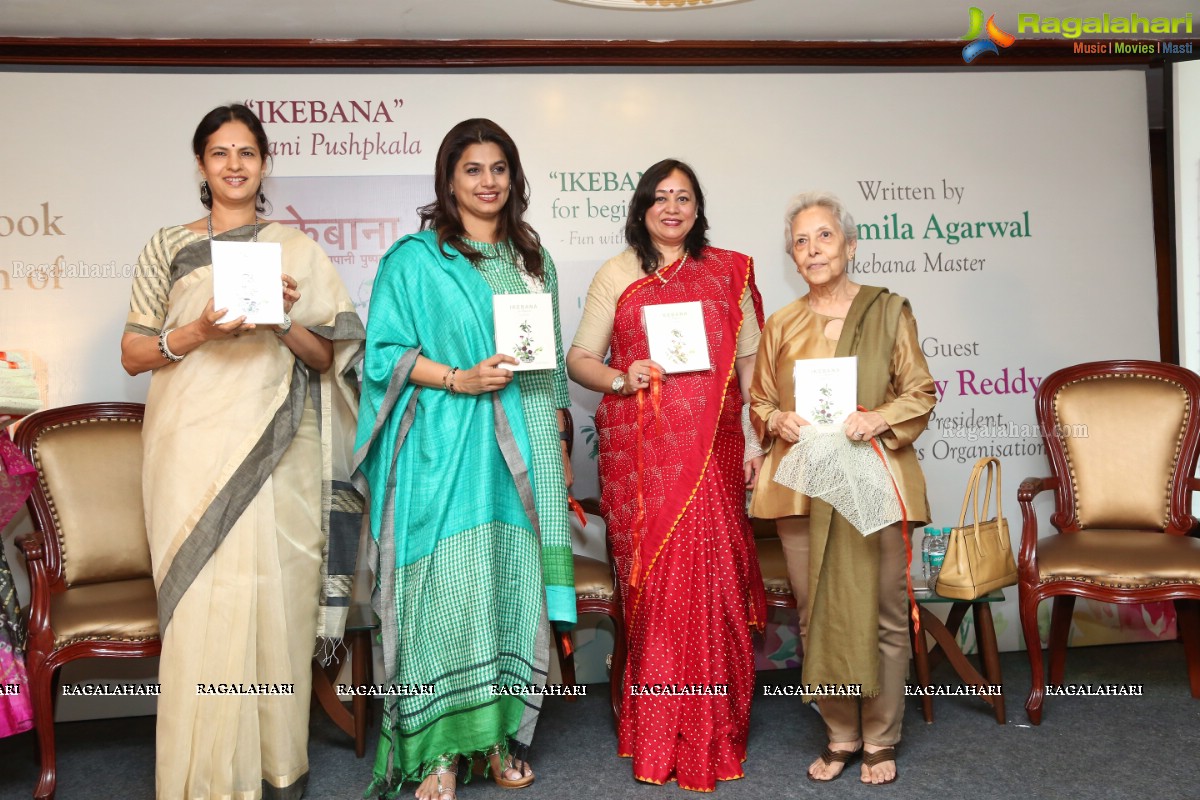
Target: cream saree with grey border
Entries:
(251, 519)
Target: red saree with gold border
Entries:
(672, 489)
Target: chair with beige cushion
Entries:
(772, 564)
(91, 587)
(595, 593)
(1122, 438)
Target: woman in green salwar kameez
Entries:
(468, 476)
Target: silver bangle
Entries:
(284, 329)
(164, 349)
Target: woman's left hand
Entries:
(863, 425)
(752, 467)
(290, 293)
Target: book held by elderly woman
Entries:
(826, 389)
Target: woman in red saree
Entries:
(674, 464)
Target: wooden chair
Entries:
(1122, 438)
(91, 586)
(772, 564)
(778, 589)
(595, 593)
(361, 626)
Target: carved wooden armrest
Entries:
(41, 635)
(33, 546)
(1031, 487)
(1027, 567)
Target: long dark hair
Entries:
(212, 121)
(636, 234)
(442, 214)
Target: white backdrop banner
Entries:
(1186, 90)
(1013, 209)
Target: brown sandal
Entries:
(506, 763)
(880, 757)
(831, 756)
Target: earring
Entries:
(205, 194)
(262, 196)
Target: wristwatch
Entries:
(618, 383)
(283, 329)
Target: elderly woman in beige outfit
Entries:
(850, 588)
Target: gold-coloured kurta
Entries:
(795, 332)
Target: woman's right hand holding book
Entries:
(786, 425)
(486, 376)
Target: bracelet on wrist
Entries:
(164, 350)
(449, 380)
(564, 436)
(284, 328)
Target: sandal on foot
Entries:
(880, 757)
(440, 766)
(506, 763)
(831, 756)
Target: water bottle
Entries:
(926, 546)
(937, 553)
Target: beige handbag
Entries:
(979, 557)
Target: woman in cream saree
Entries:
(250, 515)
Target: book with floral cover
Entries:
(248, 280)
(525, 330)
(826, 390)
(675, 333)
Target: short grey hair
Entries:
(826, 200)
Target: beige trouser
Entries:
(876, 720)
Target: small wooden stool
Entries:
(946, 648)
